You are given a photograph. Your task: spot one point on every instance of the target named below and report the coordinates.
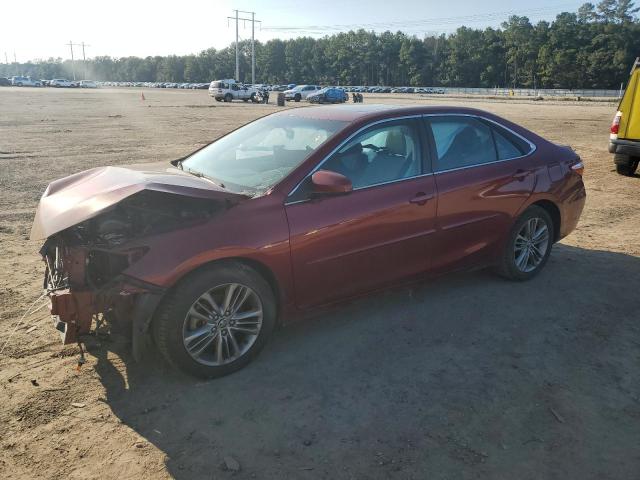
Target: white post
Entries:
(237, 51)
(253, 48)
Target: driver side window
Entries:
(381, 154)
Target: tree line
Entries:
(591, 48)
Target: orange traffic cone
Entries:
(142, 96)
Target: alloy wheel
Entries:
(222, 324)
(531, 244)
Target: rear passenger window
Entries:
(507, 147)
(461, 142)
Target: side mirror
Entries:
(326, 182)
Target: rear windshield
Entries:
(220, 85)
(257, 156)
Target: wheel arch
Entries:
(554, 212)
(261, 268)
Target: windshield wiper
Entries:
(202, 175)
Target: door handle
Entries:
(421, 198)
(520, 174)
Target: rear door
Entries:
(380, 232)
(483, 175)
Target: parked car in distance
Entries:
(300, 92)
(624, 137)
(228, 90)
(61, 83)
(4, 82)
(294, 211)
(25, 82)
(328, 95)
(88, 84)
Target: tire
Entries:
(173, 322)
(228, 98)
(297, 98)
(19, 84)
(218, 99)
(625, 165)
(510, 267)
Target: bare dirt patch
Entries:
(467, 376)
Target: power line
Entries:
(408, 24)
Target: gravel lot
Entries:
(463, 377)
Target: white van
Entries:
(229, 90)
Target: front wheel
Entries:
(228, 97)
(528, 246)
(297, 98)
(216, 322)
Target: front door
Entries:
(380, 232)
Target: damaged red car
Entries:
(205, 255)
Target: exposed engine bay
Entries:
(85, 263)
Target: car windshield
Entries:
(257, 156)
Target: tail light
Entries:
(615, 125)
(578, 167)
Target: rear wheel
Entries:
(625, 165)
(528, 246)
(216, 322)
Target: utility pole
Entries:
(253, 48)
(73, 67)
(237, 77)
(84, 61)
(253, 21)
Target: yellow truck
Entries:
(624, 139)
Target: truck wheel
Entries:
(625, 165)
(253, 98)
(228, 97)
(217, 321)
(297, 98)
(218, 99)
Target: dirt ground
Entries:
(464, 377)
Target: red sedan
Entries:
(293, 211)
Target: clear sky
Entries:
(41, 28)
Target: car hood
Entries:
(79, 197)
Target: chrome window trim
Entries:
(430, 174)
(342, 144)
(532, 146)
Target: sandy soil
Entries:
(465, 377)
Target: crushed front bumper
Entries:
(75, 299)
